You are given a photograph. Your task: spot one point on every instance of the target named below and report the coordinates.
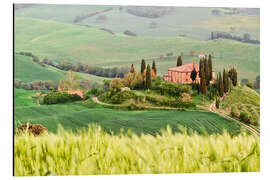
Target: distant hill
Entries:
(193, 22)
(28, 71)
(63, 41)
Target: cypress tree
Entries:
(210, 67)
(206, 70)
(142, 66)
(224, 80)
(203, 87)
(193, 75)
(132, 69)
(148, 77)
(234, 77)
(200, 68)
(217, 83)
(221, 86)
(179, 61)
(154, 67)
(217, 103)
(226, 84)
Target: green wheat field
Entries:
(93, 151)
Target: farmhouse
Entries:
(181, 74)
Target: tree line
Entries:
(79, 67)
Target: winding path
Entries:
(212, 108)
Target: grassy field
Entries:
(94, 151)
(193, 22)
(245, 100)
(28, 71)
(61, 13)
(62, 41)
(77, 115)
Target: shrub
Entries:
(129, 33)
(235, 112)
(245, 117)
(185, 97)
(35, 85)
(171, 89)
(135, 107)
(60, 97)
(35, 129)
(93, 92)
(120, 97)
(250, 85)
(116, 85)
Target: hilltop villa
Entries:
(181, 74)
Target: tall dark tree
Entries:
(200, 68)
(142, 66)
(132, 68)
(203, 87)
(206, 70)
(221, 86)
(154, 67)
(193, 75)
(148, 83)
(226, 81)
(210, 67)
(217, 103)
(217, 83)
(234, 77)
(179, 61)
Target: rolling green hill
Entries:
(243, 99)
(76, 115)
(194, 22)
(63, 41)
(28, 71)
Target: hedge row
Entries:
(60, 97)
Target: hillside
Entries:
(63, 41)
(26, 70)
(78, 115)
(194, 22)
(243, 99)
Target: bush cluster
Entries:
(243, 115)
(172, 89)
(35, 85)
(34, 58)
(93, 92)
(225, 35)
(98, 71)
(65, 66)
(60, 97)
(148, 12)
(117, 98)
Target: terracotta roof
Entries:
(185, 68)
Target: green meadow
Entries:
(80, 114)
(28, 71)
(62, 41)
(194, 22)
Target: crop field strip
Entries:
(94, 151)
(76, 115)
